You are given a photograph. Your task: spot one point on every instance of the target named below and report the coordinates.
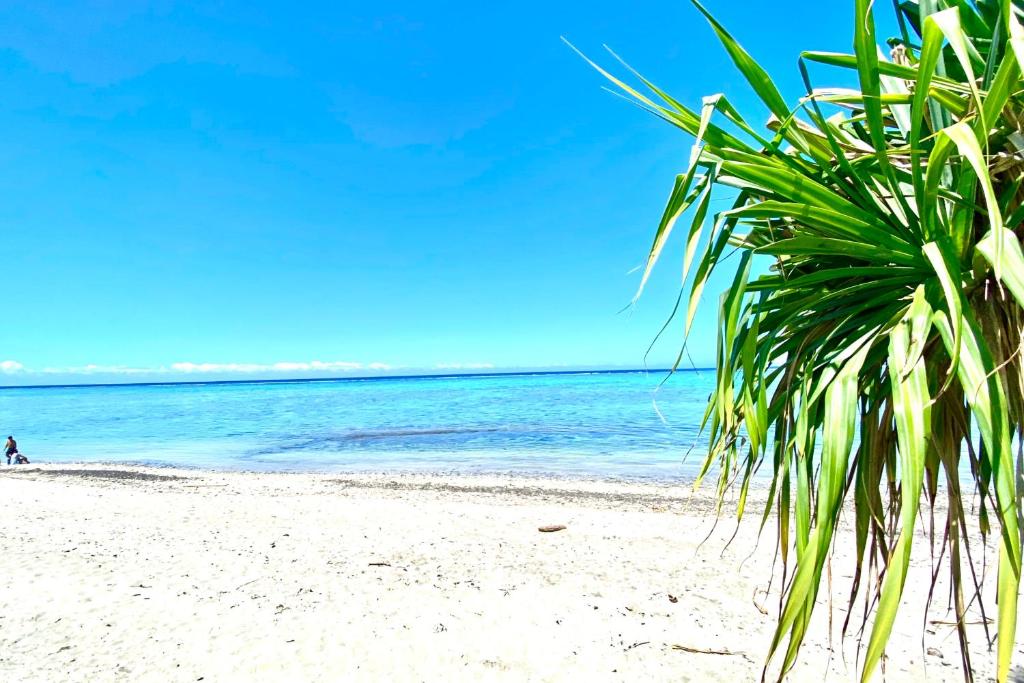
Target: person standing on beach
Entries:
(10, 448)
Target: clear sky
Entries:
(239, 189)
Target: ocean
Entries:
(601, 424)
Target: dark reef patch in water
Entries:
(390, 433)
(357, 437)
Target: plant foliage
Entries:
(877, 363)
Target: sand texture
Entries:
(116, 573)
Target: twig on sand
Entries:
(760, 609)
(379, 564)
(709, 651)
(940, 622)
(549, 529)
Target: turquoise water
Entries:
(596, 424)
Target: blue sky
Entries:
(241, 189)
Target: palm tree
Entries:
(879, 357)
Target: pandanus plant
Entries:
(875, 365)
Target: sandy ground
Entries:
(131, 574)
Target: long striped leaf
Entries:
(912, 409)
(984, 391)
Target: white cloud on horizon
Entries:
(93, 369)
(464, 366)
(12, 367)
(282, 366)
(9, 367)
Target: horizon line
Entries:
(366, 378)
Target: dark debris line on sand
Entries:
(110, 475)
(649, 499)
(628, 498)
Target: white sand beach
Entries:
(115, 573)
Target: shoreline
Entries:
(143, 573)
(549, 486)
(681, 479)
(512, 485)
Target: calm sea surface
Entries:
(598, 424)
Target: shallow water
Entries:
(595, 424)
